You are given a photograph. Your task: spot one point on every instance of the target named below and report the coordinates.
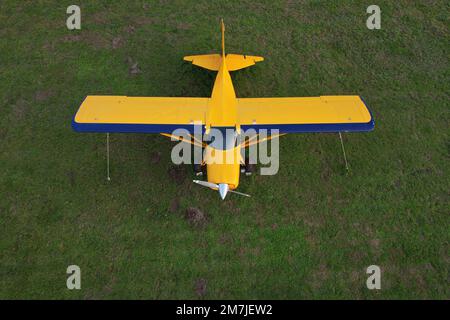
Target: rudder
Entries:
(233, 61)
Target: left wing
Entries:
(315, 114)
(139, 114)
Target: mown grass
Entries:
(308, 232)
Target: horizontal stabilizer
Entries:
(207, 61)
(237, 61)
(233, 61)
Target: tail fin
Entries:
(233, 61)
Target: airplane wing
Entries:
(139, 114)
(315, 114)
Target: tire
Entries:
(250, 168)
(198, 170)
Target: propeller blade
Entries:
(217, 187)
(207, 184)
(223, 190)
(242, 194)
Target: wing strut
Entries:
(107, 157)
(343, 151)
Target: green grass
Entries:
(308, 232)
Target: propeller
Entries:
(222, 187)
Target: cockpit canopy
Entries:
(222, 138)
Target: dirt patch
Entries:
(311, 222)
(142, 21)
(71, 176)
(326, 173)
(43, 95)
(356, 256)
(71, 38)
(93, 39)
(259, 218)
(256, 251)
(117, 42)
(133, 67)
(48, 45)
(417, 275)
(375, 244)
(130, 29)
(174, 205)
(355, 276)
(242, 252)
(225, 239)
(177, 174)
(19, 109)
(99, 18)
(183, 26)
(200, 287)
(155, 157)
(107, 289)
(319, 276)
(196, 217)
(311, 240)
(3, 133)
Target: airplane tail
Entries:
(233, 61)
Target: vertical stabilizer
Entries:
(222, 26)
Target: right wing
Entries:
(315, 114)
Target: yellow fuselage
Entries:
(222, 112)
(224, 171)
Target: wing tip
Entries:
(371, 123)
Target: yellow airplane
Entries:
(223, 110)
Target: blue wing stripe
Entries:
(130, 128)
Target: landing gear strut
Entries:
(248, 168)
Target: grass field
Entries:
(308, 232)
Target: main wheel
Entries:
(198, 170)
(250, 168)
